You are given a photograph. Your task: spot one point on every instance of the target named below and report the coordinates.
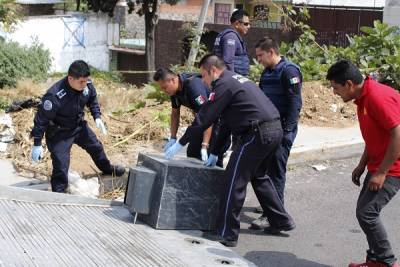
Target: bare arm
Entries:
(392, 152)
(206, 137)
(175, 116)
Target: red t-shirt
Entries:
(378, 110)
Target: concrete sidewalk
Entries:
(323, 143)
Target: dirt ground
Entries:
(136, 124)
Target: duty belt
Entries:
(267, 125)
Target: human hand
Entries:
(211, 161)
(171, 152)
(356, 174)
(376, 181)
(37, 152)
(100, 125)
(204, 154)
(170, 142)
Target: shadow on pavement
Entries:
(275, 258)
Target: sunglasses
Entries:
(247, 24)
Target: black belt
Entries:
(256, 125)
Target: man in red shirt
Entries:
(378, 110)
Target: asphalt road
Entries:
(323, 206)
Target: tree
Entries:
(8, 14)
(148, 8)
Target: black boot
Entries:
(116, 170)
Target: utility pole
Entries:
(199, 30)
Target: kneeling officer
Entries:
(61, 117)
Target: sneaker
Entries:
(370, 263)
(277, 230)
(258, 209)
(260, 223)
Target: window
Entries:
(261, 12)
(222, 13)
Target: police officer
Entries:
(281, 81)
(60, 117)
(186, 89)
(247, 112)
(230, 46)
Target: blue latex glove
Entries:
(37, 152)
(211, 161)
(171, 152)
(170, 142)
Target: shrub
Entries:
(17, 62)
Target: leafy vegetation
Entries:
(376, 52)
(17, 62)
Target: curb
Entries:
(325, 152)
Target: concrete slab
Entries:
(50, 232)
(185, 194)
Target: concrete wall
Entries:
(170, 34)
(68, 37)
(188, 10)
(391, 12)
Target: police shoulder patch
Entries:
(240, 78)
(200, 100)
(60, 94)
(231, 41)
(86, 91)
(211, 97)
(294, 80)
(47, 105)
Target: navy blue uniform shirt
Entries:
(64, 106)
(231, 48)
(194, 92)
(282, 85)
(238, 102)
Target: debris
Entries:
(333, 107)
(83, 187)
(318, 167)
(17, 105)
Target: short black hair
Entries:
(344, 70)
(211, 60)
(267, 43)
(162, 73)
(238, 15)
(78, 69)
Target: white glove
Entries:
(37, 153)
(204, 154)
(100, 125)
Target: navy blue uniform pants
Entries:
(369, 206)
(60, 149)
(277, 170)
(250, 162)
